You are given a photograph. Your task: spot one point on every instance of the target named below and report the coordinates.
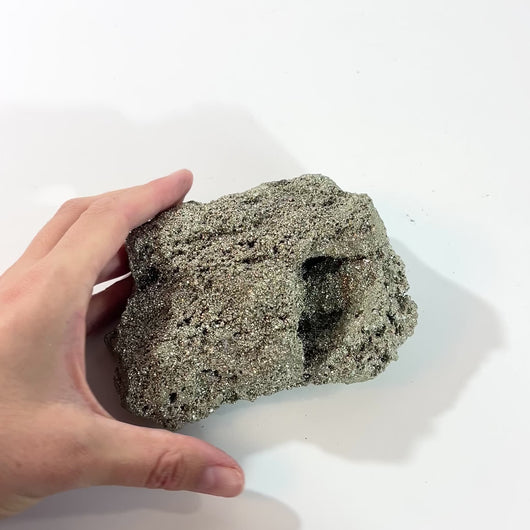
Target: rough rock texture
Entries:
(289, 283)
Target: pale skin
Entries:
(54, 434)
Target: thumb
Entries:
(127, 455)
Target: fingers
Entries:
(49, 235)
(101, 229)
(117, 266)
(154, 458)
(108, 305)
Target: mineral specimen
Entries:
(290, 283)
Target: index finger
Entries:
(101, 229)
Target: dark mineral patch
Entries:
(290, 283)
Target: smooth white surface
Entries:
(423, 105)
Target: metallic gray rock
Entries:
(290, 283)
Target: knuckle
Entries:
(72, 206)
(105, 203)
(168, 472)
(30, 284)
(25, 296)
(111, 209)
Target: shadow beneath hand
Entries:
(134, 508)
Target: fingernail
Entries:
(222, 481)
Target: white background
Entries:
(423, 105)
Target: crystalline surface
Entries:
(290, 283)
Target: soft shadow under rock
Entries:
(383, 419)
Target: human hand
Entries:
(54, 434)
